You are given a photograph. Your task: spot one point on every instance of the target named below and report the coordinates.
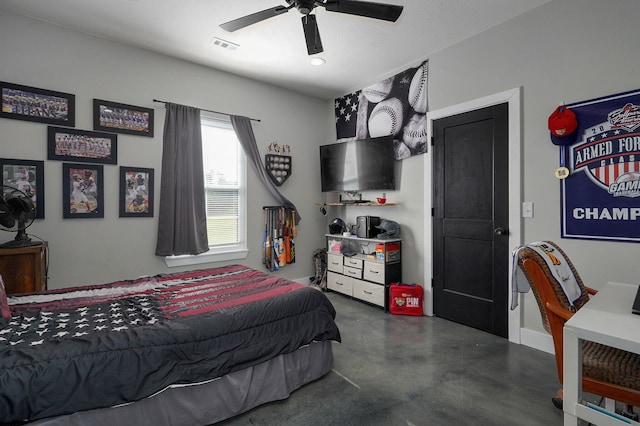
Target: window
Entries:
(224, 176)
(224, 169)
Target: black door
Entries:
(471, 219)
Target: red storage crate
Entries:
(405, 299)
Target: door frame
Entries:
(512, 97)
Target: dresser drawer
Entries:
(334, 262)
(352, 272)
(374, 272)
(339, 283)
(353, 262)
(369, 292)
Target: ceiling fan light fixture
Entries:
(304, 6)
(317, 61)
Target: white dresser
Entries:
(363, 268)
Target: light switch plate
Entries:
(527, 209)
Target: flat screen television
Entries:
(359, 165)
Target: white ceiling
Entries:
(358, 51)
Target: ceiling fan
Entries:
(383, 11)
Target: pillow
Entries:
(5, 312)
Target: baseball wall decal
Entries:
(386, 118)
(414, 134)
(418, 89)
(395, 106)
(379, 91)
(400, 151)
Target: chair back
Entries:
(547, 290)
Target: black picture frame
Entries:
(28, 177)
(136, 192)
(111, 116)
(67, 144)
(82, 191)
(39, 105)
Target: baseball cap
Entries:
(562, 125)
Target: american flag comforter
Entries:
(82, 348)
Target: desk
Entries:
(605, 319)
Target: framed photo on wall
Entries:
(122, 118)
(82, 190)
(28, 177)
(40, 105)
(136, 192)
(81, 145)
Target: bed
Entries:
(186, 348)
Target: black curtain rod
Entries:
(202, 109)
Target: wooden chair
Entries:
(608, 372)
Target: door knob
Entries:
(500, 231)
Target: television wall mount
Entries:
(354, 197)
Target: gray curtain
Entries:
(244, 131)
(182, 219)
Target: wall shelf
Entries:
(370, 204)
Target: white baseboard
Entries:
(537, 340)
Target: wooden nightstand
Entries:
(24, 269)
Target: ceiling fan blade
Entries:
(386, 12)
(254, 18)
(311, 34)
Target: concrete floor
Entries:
(402, 370)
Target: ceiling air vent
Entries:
(224, 44)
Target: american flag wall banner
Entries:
(601, 196)
(346, 109)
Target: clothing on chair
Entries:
(558, 266)
(519, 282)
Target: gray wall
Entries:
(563, 51)
(89, 251)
